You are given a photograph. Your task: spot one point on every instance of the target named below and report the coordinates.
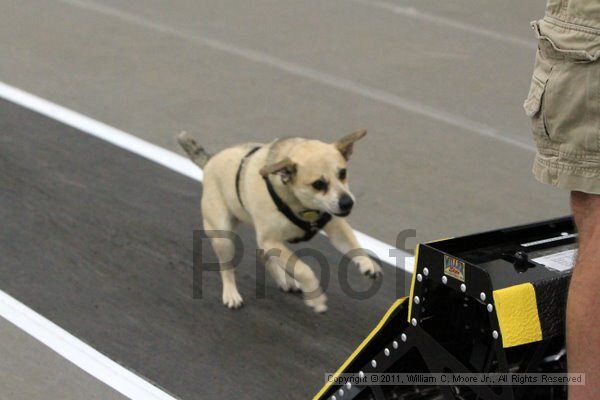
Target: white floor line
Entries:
(103, 131)
(157, 154)
(65, 344)
(411, 12)
(324, 78)
(79, 353)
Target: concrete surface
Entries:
(439, 85)
(430, 93)
(99, 241)
(31, 371)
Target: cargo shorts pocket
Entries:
(564, 101)
(534, 104)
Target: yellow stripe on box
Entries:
(382, 322)
(516, 308)
(441, 239)
(412, 283)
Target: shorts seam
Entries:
(551, 149)
(566, 178)
(557, 164)
(570, 25)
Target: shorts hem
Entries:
(564, 175)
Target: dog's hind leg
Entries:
(225, 249)
(217, 218)
(314, 297)
(283, 280)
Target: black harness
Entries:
(310, 228)
(239, 173)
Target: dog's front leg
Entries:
(342, 237)
(277, 252)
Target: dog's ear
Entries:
(286, 168)
(346, 144)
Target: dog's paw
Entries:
(317, 302)
(369, 268)
(290, 285)
(232, 299)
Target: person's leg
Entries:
(583, 306)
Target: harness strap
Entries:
(310, 228)
(239, 173)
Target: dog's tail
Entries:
(195, 152)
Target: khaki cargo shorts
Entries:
(564, 106)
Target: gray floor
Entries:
(439, 85)
(99, 241)
(430, 93)
(29, 370)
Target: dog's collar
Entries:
(314, 222)
(238, 175)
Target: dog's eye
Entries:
(319, 184)
(342, 174)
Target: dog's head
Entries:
(316, 173)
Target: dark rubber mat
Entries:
(99, 241)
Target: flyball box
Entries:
(492, 302)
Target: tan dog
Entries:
(288, 190)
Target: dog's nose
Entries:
(345, 202)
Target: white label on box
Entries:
(563, 261)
